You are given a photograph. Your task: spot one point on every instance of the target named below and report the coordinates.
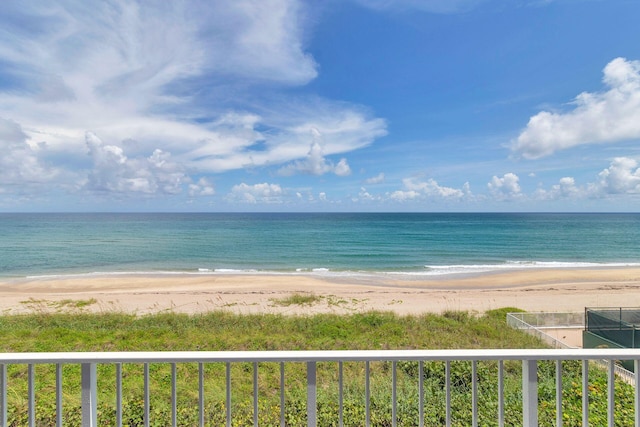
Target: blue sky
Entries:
(335, 105)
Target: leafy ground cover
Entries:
(78, 331)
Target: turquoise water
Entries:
(323, 244)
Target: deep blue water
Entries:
(324, 243)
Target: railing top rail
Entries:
(319, 356)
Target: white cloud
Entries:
(365, 196)
(113, 171)
(505, 188)
(621, 177)
(565, 188)
(600, 117)
(414, 189)
(202, 188)
(404, 195)
(257, 193)
(375, 179)
(316, 164)
(20, 165)
(149, 76)
(433, 6)
(11, 135)
(342, 168)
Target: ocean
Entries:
(408, 245)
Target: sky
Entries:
(323, 105)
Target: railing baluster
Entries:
(3, 395)
(610, 393)
(89, 395)
(147, 402)
(119, 394)
(421, 393)
(367, 395)
(340, 394)
(174, 396)
(530, 393)
(58, 394)
(474, 392)
(447, 388)
(636, 393)
(282, 384)
(394, 383)
(312, 390)
(255, 394)
(585, 392)
(201, 393)
(558, 393)
(500, 393)
(31, 395)
(228, 393)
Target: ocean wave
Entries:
(426, 271)
(438, 270)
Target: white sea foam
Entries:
(427, 271)
(438, 270)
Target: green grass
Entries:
(78, 331)
(297, 299)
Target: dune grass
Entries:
(79, 331)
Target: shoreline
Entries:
(548, 289)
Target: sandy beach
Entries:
(553, 290)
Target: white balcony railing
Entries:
(529, 359)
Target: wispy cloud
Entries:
(375, 179)
(432, 6)
(183, 80)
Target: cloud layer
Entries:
(171, 90)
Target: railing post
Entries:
(474, 393)
(201, 393)
(89, 395)
(147, 395)
(611, 394)
(558, 393)
(447, 388)
(118, 394)
(636, 391)
(3, 395)
(585, 392)
(530, 393)
(256, 389)
(312, 416)
(501, 393)
(58, 395)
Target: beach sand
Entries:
(553, 290)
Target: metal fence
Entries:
(311, 360)
(536, 323)
(542, 320)
(618, 325)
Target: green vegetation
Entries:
(297, 299)
(309, 299)
(64, 305)
(78, 331)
